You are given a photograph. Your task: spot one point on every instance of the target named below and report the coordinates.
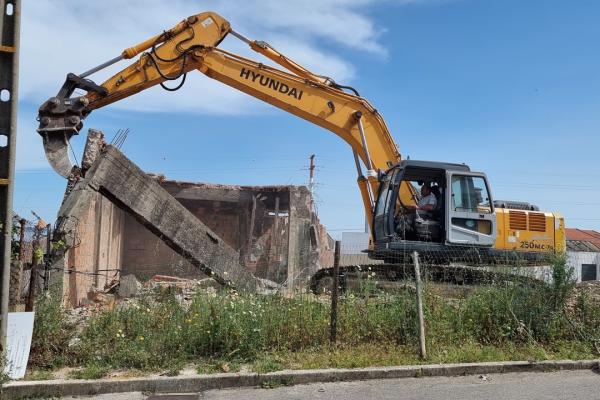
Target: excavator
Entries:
(465, 224)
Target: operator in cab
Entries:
(427, 202)
(405, 220)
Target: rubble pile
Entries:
(128, 291)
(589, 289)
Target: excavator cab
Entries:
(460, 212)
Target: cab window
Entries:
(470, 194)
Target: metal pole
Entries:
(48, 239)
(9, 79)
(334, 293)
(23, 223)
(311, 182)
(48, 255)
(37, 260)
(422, 349)
(29, 306)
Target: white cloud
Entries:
(72, 36)
(58, 37)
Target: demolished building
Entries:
(272, 232)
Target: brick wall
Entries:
(94, 260)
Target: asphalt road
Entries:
(572, 385)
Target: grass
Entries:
(273, 383)
(222, 332)
(52, 335)
(214, 366)
(370, 355)
(40, 375)
(270, 363)
(90, 371)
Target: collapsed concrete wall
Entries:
(270, 231)
(254, 221)
(271, 227)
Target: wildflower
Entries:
(189, 321)
(141, 338)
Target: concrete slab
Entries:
(123, 183)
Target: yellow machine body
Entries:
(529, 231)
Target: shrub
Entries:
(52, 334)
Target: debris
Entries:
(165, 278)
(207, 283)
(184, 289)
(588, 289)
(102, 299)
(94, 144)
(129, 286)
(112, 286)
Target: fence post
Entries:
(48, 255)
(422, 349)
(334, 292)
(23, 223)
(16, 270)
(32, 286)
(36, 261)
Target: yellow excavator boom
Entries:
(191, 45)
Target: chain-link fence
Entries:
(471, 302)
(31, 246)
(367, 310)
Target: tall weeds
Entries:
(157, 333)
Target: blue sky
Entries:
(510, 87)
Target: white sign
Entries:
(18, 343)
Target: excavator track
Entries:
(389, 277)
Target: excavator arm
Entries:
(192, 45)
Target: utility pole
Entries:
(311, 181)
(9, 79)
(311, 177)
